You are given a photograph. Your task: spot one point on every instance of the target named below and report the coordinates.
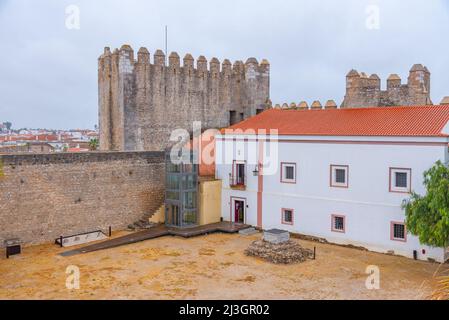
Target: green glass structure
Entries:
(181, 191)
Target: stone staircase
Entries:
(248, 231)
(149, 220)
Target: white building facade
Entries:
(345, 189)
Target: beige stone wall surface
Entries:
(44, 196)
(210, 201)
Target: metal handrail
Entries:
(235, 180)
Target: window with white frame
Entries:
(237, 178)
(287, 216)
(400, 180)
(339, 176)
(398, 231)
(288, 172)
(338, 223)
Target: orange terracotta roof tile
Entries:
(377, 121)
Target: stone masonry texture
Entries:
(364, 91)
(44, 196)
(141, 103)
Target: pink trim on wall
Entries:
(282, 216)
(331, 175)
(333, 223)
(390, 180)
(282, 173)
(392, 223)
(260, 185)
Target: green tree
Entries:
(428, 216)
(93, 144)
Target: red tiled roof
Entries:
(378, 121)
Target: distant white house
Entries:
(338, 174)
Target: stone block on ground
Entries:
(276, 236)
(248, 231)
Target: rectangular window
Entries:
(288, 172)
(238, 177)
(400, 180)
(339, 176)
(398, 231)
(232, 117)
(240, 173)
(287, 216)
(338, 223)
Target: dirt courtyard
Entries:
(209, 267)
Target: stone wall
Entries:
(365, 91)
(141, 103)
(43, 196)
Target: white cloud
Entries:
(48, 74)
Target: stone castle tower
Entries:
(364, 91)
(141, 103)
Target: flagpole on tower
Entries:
(166, 44)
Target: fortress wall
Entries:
(364, 91)
(44, 196)
(142, 102)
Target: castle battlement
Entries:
(143, 98)
(303, 105)
(365, 91)
(126, 55)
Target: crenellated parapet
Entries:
(365, 91)
(143, 98)
(303, 105)
(125, 57)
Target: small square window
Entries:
(287, 216)
(339, 176)
(338, 223)
(288, 172)
(398, 231)
(400, 180)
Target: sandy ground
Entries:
(209, 267)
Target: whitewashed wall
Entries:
(367, 204)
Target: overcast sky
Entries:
(48, 73)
